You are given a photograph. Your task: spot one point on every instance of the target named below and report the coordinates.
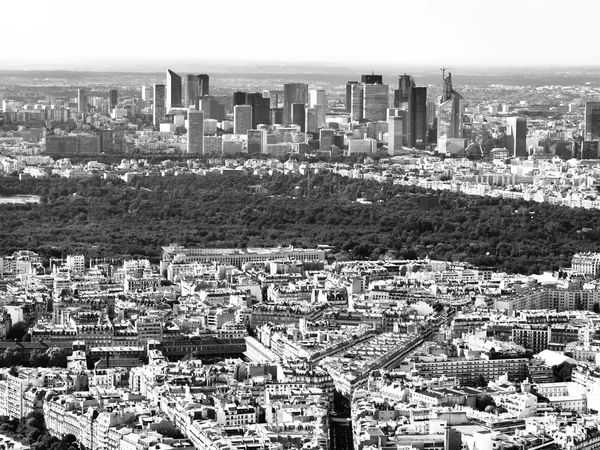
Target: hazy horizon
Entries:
(159, 65)
(386, 36)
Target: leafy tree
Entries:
(38, 358)
(480, 381)
(17, 331)
(482, 402)
(12, 357)
(57, 357)
(562, 372)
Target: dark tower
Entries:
(239, 98)
(261, 111)
(293, 93)
(349, 95)
(203, 85)
(405, 84)
(276, 116)
(299, 115)
(113, 98)
(174, 90)
(417, 109)
(371, 79)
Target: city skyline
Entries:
(465, 26)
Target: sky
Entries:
(74, 34)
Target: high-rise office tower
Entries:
(325, 139)
(417, 113)
(405, 84)
(311, 120)
(396, 133)
(242, 119)
(210, 107)
(318, 100)
(174, 90)
(431, 112)
(146, 93)
(257, 141)
(82, 101)
(317, 97)
(592, 120)
(276, 116)
(375, 102)
(275, 97)
(356, 101)
(371, 79)
(299, 115)
(113, 99)
(369, 100)
(239, 98)
(349, 85)
(450, 111)
(195, 132)
(203, 85)
(261, 109)
(159, 104)
(293, 93)
(516, 136)
(191, 89)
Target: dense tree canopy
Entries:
(53, 357)
(31, 429)
(106, 218)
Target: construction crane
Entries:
(443, 69)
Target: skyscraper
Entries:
(257, 141)
(299, 115)
(311, 120)
(239, 98)
(371, 79)
(275, 97)
(349, 85)
(276, 116)
(242, 119)
(261, 109)
(431, 111)
(369, 100)
(318, 100)
(417, 113)
(450, 111)
(317, 97)
(405, 84)
(146, 93)
(195, 132)
(191, 89)
(293, 93)
(210, 107)
(159, 104)
(356, 101)
(592, 120)
(375, 101)
(113, 98)
(516, 136)
(82, 101)
(203, 84)
(396, 134)
(325, 139)
(174, 90)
